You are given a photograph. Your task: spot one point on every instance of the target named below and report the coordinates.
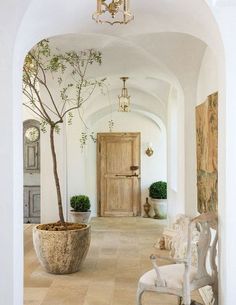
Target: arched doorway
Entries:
(25, 41)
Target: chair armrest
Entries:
(172, 260)
(159, 281)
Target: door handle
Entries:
(135, 175)
(128, 176)
(134, 167)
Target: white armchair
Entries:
(181, 276)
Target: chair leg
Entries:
(186, 300)
(215, 293)
(139, 296)
(180, 299)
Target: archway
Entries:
(23, 43)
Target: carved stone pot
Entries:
(61, 252)
(160, 208)
(80, 217)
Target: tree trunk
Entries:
(56, 178)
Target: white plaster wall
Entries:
(11, 179)
(176, 155)
(49, 210)
(76, 170)
(208, 76)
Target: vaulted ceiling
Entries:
(162, 48)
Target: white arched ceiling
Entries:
(139, 98)
(49, 18)
(142, 50)
(156, 89)
(121, 57)
(102, 112)
(154, 63)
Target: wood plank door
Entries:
(118, 174)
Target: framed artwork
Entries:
(207, 154)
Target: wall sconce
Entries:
(149, 151)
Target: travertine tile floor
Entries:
(118, 256)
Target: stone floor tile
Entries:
(118, 256)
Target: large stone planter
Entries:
(160, 208)
(61, 252)
(80, 217)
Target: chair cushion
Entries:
(171, 274)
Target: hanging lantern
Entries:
(124, 98)
(117, 11)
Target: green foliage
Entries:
(83, 139)
(48, 69)
(93, 137)
(80, 203)
(158, 190)
(111, 125)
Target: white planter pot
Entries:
(80, 217)
(160, 208)
(61, 252)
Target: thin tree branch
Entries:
(50, 109)
(82, 119)
(44, 83)
(31, 98)
(39, 65)
(50, 95)
(37, 94)
(91, 92)
(43, 118)
(70, 109)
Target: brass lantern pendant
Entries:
(117, 11)
(124, 98)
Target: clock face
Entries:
(32, 134)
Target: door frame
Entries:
(99, 136)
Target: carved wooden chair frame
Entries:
(205, 245)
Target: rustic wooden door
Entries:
(118, 174)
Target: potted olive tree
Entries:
(81, 209)
(63, 79)
(158, 194)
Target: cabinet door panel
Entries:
(32, 204)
